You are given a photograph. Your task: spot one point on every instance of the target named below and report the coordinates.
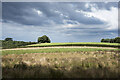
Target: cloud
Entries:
(38, 11)
(110, 17)
(45, 13)
(62, 22)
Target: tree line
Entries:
(9, 43)
(114, 40)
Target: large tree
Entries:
(43, 39)
(8, 39)
(117, 40)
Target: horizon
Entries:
(61, 22)
(55, 42)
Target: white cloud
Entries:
(89, 5)
(38, 11)
(108, 16)
(61, 14)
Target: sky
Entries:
(60, 21)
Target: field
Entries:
(54, 50)
(61, 63)
(77, 44)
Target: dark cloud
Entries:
(23, 13)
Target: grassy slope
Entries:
(53, 50)
(76, 44)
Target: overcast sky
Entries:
(61, 22)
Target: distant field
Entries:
(54, 50)
(76, 44)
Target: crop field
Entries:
(61, 63)
(97, 44)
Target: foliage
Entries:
(102, 40)
(43, 39)
(112, 41)
(115, 40)
(8, 39)
(14, 44)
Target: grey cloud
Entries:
(22, 13)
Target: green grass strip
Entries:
(54, 50)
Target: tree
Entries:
(102, 40)
(106, 40)
(8, 39)
(112, 40)
(43, 39)
(40, 40)
(117, 40)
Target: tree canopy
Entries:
(8, 39)
(115, 40)
(43, 39)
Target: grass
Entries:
(76, 44)
(54, 50)
(61, 62)
(76, 64)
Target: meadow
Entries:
(61, 63)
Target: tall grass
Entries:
(95, 64)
